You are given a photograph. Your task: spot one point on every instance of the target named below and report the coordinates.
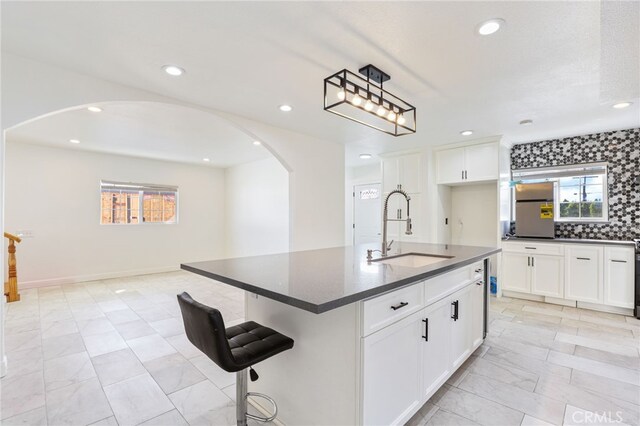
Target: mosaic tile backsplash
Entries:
(621, 149)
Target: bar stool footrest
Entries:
(268, 398)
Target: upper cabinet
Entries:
(473, 163)
(405, 170)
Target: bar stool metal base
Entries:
(241, 401)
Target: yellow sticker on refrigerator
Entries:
(546, 211)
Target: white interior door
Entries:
(367, 218)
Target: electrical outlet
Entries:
(26, 233)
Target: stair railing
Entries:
(11, 286)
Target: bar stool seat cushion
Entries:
(251, 343)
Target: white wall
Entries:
(371, 173)
(473, 214)
(257, 208)
(55, 193)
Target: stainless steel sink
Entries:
(413, 260)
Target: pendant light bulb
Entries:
(356, 100)
(401, 119)
(342, 95)
(391, 116)
(368, 105)
(381, 111)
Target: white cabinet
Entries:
(584, 273)
(478, 294)
(461, 323)
(392, 363)
(547, 275)
(618, 276)
(473, 163)
(435, 355)
(516, 275)
(405, 170)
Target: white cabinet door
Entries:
(547, 275)
(390, 175)
(391, 373)
(411, 173)
(477, 321)
(618, 276)
(584, 274)
(450, 165)
(435, 346)
(516, 274)
(461, 321)
(481, 162)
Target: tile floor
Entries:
(114, 352)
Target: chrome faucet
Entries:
(386, 247)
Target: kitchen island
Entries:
(373, 339)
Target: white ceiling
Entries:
(561, 64)
(145, 129)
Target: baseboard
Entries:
(606, 308)
(517, 295)
(94, 277)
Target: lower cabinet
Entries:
(405, 363)
(619, 276)
(547, 275)
(584, 273)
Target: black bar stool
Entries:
(234, 349)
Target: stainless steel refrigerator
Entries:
(534, 210)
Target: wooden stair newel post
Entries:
(11, 286)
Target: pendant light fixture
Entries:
(363, 100)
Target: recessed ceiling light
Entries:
(285, 108)
(365, 156)
(466, 132)
(526, 122)
(94, 109)
(173, 70)
(206, 160)
(621, 105)
(491, 26)
(256, 143)
(76, 141)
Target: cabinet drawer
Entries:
(438, 287)
(533, 248)
(383, 310)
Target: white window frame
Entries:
(141, 188)
(552, 174)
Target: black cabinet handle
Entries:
(583, 258)
(531, 248)
(533, 261)
(455, 310)
(462, 174)
(426, 329)
(478, 270)
(401, 305)
(479, 282)
(465, 174)
(528, 261)
(618, 261)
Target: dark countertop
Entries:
(320, 280)
(571, 241)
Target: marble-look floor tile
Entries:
(214, 373)
(67, 370)
(117, 366)
(153, 313)
(109, 421)
(596, 367)
(173, 372)
(478, 409)
(575, 416)
(98, 344)
(78, 404)
(598, 344)
(170, 418)
(21, 341)
(546, 310)
(182, 344)
(22, 325)
(112, 305)
(535, 405)
(590, 328)
(445, 418)
(168, 327)
(122, 315)
(134, 329)
(504, 373)
(603, 385)
(619, 323)
(201, 403)
(532, 421)
(21, 394)
(632, 362)
(37, 417)
(59, 328)
(540, 367)
(137, 399)
(518, 347)
(593, 401)
(150, 347)
(24, 362)
(94, 326)
(67, 344)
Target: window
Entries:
(131, 203)
(580, 190)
